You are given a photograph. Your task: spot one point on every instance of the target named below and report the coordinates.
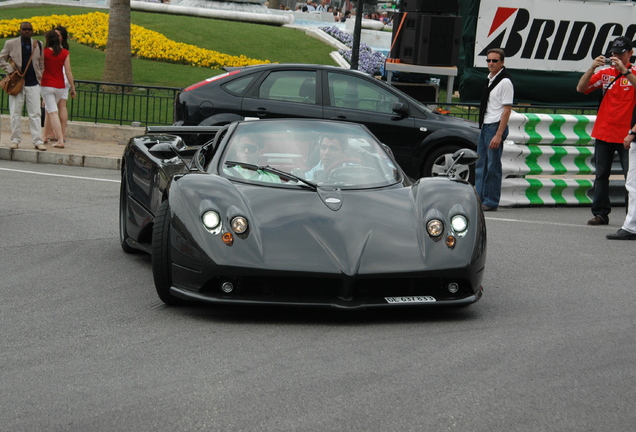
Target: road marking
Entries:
(60, 175)
(541, 222)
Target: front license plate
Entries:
(410, 299)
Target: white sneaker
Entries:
(40, 147)
(13, 145)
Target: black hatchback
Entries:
(422, 140)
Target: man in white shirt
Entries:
(494, 112)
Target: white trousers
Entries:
(630, 185)
(31, 96)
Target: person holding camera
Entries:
(614, 118)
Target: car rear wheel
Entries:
(123, 217)
(439, 160)
(161, 260)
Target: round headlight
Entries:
(435, 227)
(239, 224)
(211, 220)
(459, 223)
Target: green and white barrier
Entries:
(547, 160)
(551, 129)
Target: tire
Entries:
(438, 160)
(161, 261)
(123, 217)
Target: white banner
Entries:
(551, 35)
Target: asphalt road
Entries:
(88, 346)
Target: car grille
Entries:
(326, 290)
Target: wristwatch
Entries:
(631, 132)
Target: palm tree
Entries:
(118, 62)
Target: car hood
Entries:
(453, 121)
(294, 229)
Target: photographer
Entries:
(613, 120)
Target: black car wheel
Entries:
(161, 261)
(439, 160)
(123, 217)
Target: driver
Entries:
(333, 149)
(247, 150)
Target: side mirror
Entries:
(465, 156)
(461, 157)
(401, 109)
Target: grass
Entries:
(264, 42)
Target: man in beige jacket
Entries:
(20, 50)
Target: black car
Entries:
(263, 214)
(422, 140)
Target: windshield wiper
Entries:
(272, 170)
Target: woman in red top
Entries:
(57, 63)
(47, 131)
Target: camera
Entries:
(608, 61)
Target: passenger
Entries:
(247, 150)
(333, 149)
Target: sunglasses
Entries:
(492, 60)
(27, 29)
(249, 148)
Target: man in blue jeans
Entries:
(494, 112)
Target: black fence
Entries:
(471, 111)
(122, 104)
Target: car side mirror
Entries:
(401, 109)
(464, 157)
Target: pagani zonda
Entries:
(298, 212)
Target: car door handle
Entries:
(261, 112)
(340, 117)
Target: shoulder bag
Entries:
(12, 83)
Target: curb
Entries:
(68, 159)
(83, 130)
(102, 145)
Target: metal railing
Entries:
(122, 104)
(471, 111)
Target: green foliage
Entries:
(273, 43)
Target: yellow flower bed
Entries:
(92, 29)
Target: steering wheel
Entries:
(338, 163)
(353, 173)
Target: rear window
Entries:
(238, 86)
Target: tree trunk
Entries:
(118, 62)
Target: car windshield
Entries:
(307, 153)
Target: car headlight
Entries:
(435, 227)
(459, 223)
(239, 224)
(212, 221)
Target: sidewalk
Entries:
(88, 145)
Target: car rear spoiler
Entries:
(178, 130)
(191, 135)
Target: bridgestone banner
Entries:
(551, 35)
(548, 44)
